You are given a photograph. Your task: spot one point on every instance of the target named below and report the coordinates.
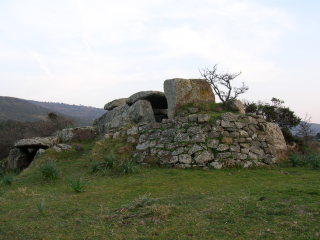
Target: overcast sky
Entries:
(92, 52)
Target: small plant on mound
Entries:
(95, 165)
(49, 170)
(77, 184)
(8, 178)
(127, 167)
(110, 160)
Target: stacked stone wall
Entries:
(233, 140)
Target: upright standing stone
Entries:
(276, 138)
(180, 91)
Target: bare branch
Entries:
(215, 79)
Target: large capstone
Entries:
(37, 142)
(115, 103)
(180, 91)
(157, 99)
(140, 111)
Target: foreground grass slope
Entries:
(159, 203)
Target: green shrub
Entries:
(8, 178)
(310, 158)
(314, 160)
(77, 184)
(295, 159)
(110, 160)
(49, 169)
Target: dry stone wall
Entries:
(194, 141)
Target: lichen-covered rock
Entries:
(203, 157)
(79, 133)
(236, 105)
(222, 147)
(194, 148)
(213, 143)
(37, 142)
(229, 117)
(198, 138)
(216, 165)
(133, 130)
(115, 103)
(203, 118)
(182, 137)
(193, 118)
(185, 158)
(182, 91)
(178, 151)
(62, 147)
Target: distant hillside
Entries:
(21, 110)
(86, 114)
(17, 109)
(315, 127)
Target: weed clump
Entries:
(95, 165)
(77, 184)
(8, 179)
(127, 167)
(49, 170)
(110, 160)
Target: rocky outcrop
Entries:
(115, 103)
(157, 99)
(182, 91)
(37, 142)
(140, 111)
(79, 133)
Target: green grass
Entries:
(214, 110)
(160, 203)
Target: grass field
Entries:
(160, 203)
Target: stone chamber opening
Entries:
(159, 105)
(26, 156)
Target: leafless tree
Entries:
(305, 131)
(215, 79)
